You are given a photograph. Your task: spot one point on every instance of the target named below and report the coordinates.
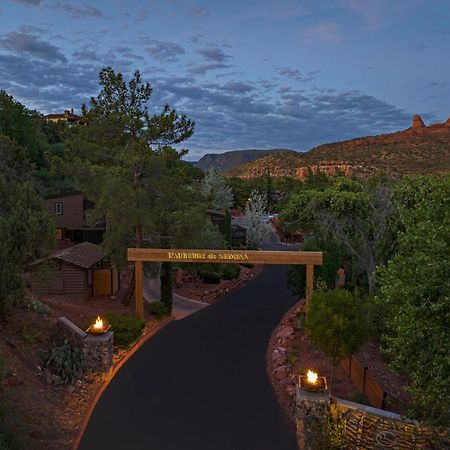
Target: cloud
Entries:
(213, 53)
(22, 42)
(417, 48)
(77, 11)
(202, 69)
(326, 33)
(163, 51)
(28, 2)
(47, 85)
(237, 87)
(198, 11)
(295, 74)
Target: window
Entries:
(59, 208)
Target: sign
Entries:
(224, 256)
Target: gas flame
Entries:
(312, 377)
(98, 325)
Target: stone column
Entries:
(311, 412)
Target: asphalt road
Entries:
(201, 382)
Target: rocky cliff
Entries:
(418, 149)
(229, 160)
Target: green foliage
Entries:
(127, 329)
(26, 229)
(360, 216)
(227, 226)
(335, 256)
(36, 306)
(414, 297)
(230, 271)
(211, 277)
(66, 363)
(329, 435)
(336, 323)
(157, 309)
(167, 284)
(214, 186)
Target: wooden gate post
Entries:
(139, 289)
(309, 284)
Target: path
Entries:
(181, 307)
(201, 382)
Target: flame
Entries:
(98, 325)
(312, 377)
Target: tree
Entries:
(122, 161)
(360, 216)
(254, 213)
(336, 257)
(414, 296)
(336, 324)
(27, 232)
(215, 187)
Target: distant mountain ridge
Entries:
(229, 160)
(418, 149)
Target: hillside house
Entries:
(69, 211)
(82, 269)
(67, 116)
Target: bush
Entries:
(248, 265)
(127, 329)
(66, 363)
(210, 277)
(158, 310)
(230, 271)
(36, 306)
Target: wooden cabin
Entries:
(83, 269)
(69, 211)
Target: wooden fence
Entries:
(365, 382)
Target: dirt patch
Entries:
(41, 414)
(187, 286)
(290, 353)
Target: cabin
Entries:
(85, 270)
(238, 232)
(69, 211)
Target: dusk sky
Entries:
(251, 73)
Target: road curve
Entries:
(201, 382)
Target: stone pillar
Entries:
(311, 412)
(97, 350)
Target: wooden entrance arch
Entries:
(140, 255)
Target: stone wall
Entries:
(363, 427)
(370, 428)
(97, 350)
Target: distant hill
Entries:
(229, 160)
(419, 149)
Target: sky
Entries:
(250, 73)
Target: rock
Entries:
(285, 332)
(70, 389)
(48, 376)
(280, 372)
(417, 122)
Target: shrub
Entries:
(127, 329)
(211, 277)
(248, 265)
(158, 309)
(36, 306)
(230, 271)
(66, 363)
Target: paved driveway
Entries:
(201, 382)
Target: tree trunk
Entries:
(167, 284)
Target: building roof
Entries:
(83, 255)
(65, 194)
